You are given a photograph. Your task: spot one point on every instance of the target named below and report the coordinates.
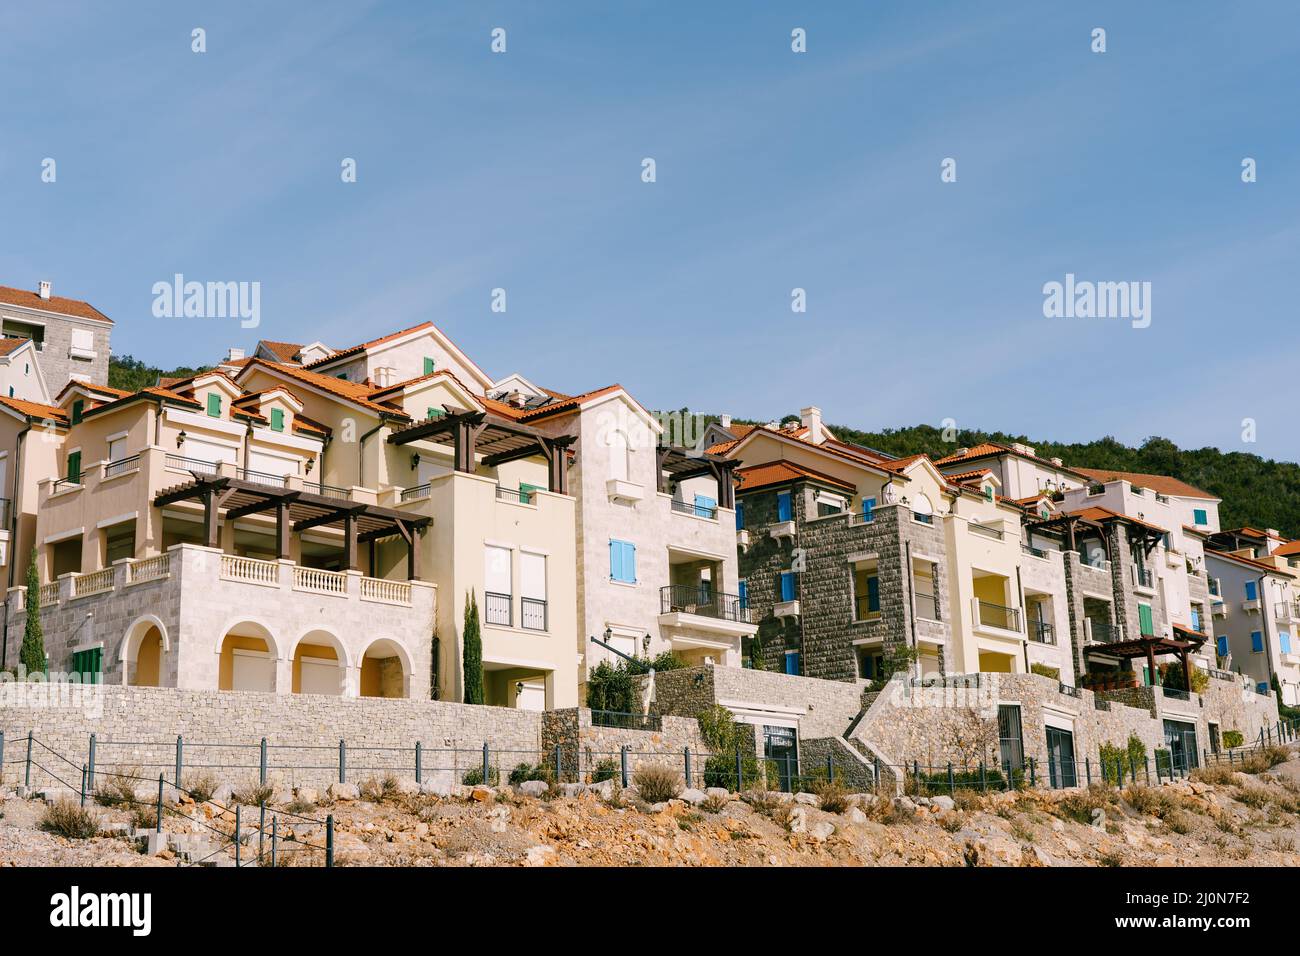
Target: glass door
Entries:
(1060, 758)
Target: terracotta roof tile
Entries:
(8, 345)
(1163, 484)
(284, 351)
(1098, 513)
(354, 349)
(34, 409)
(780, 472)
(55, 303)
(1253, 562)
(350, 391)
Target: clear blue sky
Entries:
(775, 170)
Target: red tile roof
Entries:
(782, 472)
(1252, 562)
(8, 345)
(1098, 513)
(35, 409)
(355, 392)
(284, 351)
(55, 303)
(1163, 484)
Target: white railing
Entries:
(324, 582)
(390, 592)
(95, 582)
(149, 569)
(235, 568)
(49, 594)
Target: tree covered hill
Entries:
(1256, 491)
(132, 374)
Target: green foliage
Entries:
(607, 768)
(32, 653)
(1118, 762)
(900, 659)
(1233, 738)
(1042, 670)
(473, 653)
(756, 659)
(1284, 711)
(527, 771)
(434, 665)
(474, 777)
(609, 687)
(132, 375)
(1171, 676)
(937, 781)
(721, 735)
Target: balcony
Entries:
(862, 610)
(1143, 578)
(700, 618)
(1219, 609)
(782, 529)
(742, 539)
(1100, 632)
(1286, 611)
(686, 599)
(628, 492)
(1042, 632)
(498, 609)
(707, 512)
(987, 531)
(996, 616)
(1251, 606)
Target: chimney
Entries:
(517, 398)
(963, 452)
(1057, 462)
(234, 355)
(725, 422)
(43, 288)
(774, 425)
(812, 420)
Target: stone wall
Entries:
(585, 746)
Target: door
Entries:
(780, 747)
(1011, 744)
(319, 675)
(530, 695)
(1180, 740)
(1060, 758)
(251, 670)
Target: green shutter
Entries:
(1145, 622)
(429, 365)
(74, 466)
(526, 491)
(78, 408)
(214, 405)
(277, 419)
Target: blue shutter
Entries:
(1256, 640)
(1223, 646)
(740, 515)
(629, 561)
(1196, 620)
(743, 588)
(1199, 516)
(705, 507)
(873, 594)
(784, 507)
(868, 509)
(1251, 591)
(1262, 687)
(792, 663)
(1285, 640)
(787, 585)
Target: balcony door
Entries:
(1060, 758)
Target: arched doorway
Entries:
(247, 658)
(385, 670)
(143, 653)
(319, 664)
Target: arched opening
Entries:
(319, 664)
(384, 670)
(247, 659)
(143, 653)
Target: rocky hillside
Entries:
(1220, 817)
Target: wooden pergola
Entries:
(497, 439)
(679, 464)
(296, 511)
(1148, 646)
(1074, 525)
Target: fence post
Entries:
(419, 763)
(622, 764)
(27, 776)
(90, 768)
(791, 772)
(329, 840)
(952, 783)
(1231, 757)
(487, 765)
(916, 775)
(261, 763)
(1033, 773)
(984, 780)
(876, 767)
(238, 820)
(1157, 771)
(830, 768)
(1205, 752)
(274, 836)
(83, 784)
(740, 785)
(180, 758)
(686, 763)
(1132, 766)
(261, 831)
(343, 761)
(559, 765)
(158, 820)
(1087, 770)
(2, 756)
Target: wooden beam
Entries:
(256, 507)
(192, 492)
(282, 528)
(350, 541)
(329, 517)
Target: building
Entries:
(70, 338)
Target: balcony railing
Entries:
(690, 599)
(498, 608)
(1103, 632)
(995, 615)
(517, 495)
(1042, 632)
(862, 608)
(121, 466)
(624, 721)
(532, 614)
(1143, 578)
(329, 491)
(389, 592)
(5, 504)
(693, 508)
(149, 569)
(1286, 611)
(63, 484)
(416, 493)
(1032, 551)
(181, 463)
(94, 582)
(927, 606)
(253, 570)
(262, 478)
(986, 531)
(319, 580)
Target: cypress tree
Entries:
(32, 654)
(473, 654)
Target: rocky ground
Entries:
(1218, 818)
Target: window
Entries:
(784, 506)
(119, 542)
(1257, 641)
(1145, 622)
(74, 467)
(616, 441)
(923, 510)
(988, 492)
(785, 585)
(497, 594)
(1196, 619)
(1200, 517)
(1261, 687)
(214, 405)
(1252, 591)
(706, 507)
(89, 664)
(743, 588)
(829, 505)
(622, 561)
(868, 509)
(434, 412)
(532, 591)
(429, 365)
(1223, 645)
(1284, 639)
(866, 590)
(277, 419)
(83, 343)
(117, 449)
(792, 662)
(740, 516)
(78, 409)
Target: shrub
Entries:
(834, 795)
(713, 803)
(1083, 805)
(1233, 738)
(32, 652)
(1043, 670)
(472, 653)
(118, 787)
(527, 771)
(899, 659)
(1219, 773)
(1119, 762)
(722, 736)
(376, 790)
(253, 794)
(144, 818)
(607, 768)
(763, 801)
(938, 782)
(474, 777)
(657, 783)
(67, 818)
(201, 786)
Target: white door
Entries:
(317, 675)
(252, 670)
(531, 696)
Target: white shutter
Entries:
(267, 464)
(532, 575)
(209, 451)
(617, 443)
(496, 572)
